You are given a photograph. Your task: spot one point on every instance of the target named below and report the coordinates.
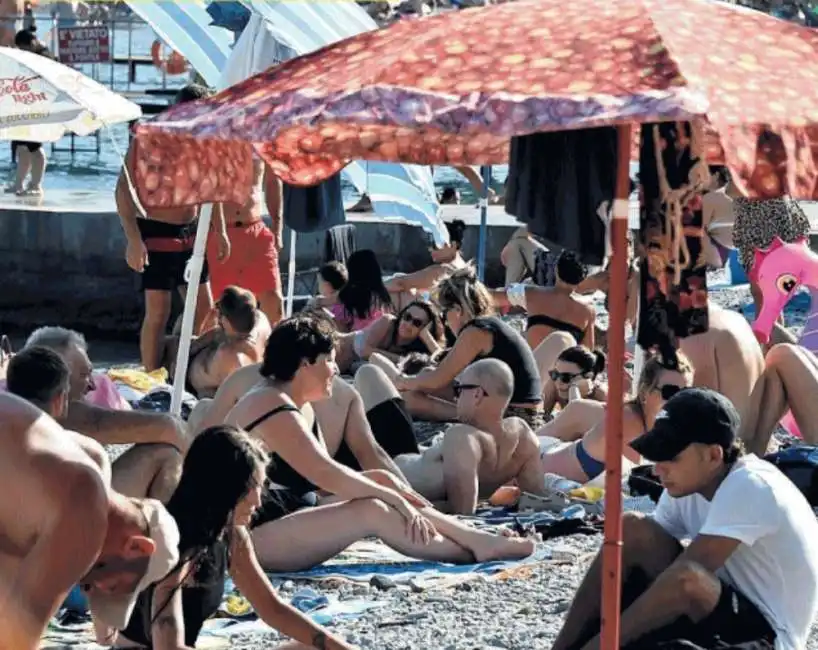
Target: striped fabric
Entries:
(185, 26)
(399, 192)
(292, 28)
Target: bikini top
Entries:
(557, 324)
(279, 472)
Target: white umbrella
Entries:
(41, 99)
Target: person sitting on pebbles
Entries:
(574, 376)
(749, 575)
(295, 528)
(74, 529)
(237, 340)
(485, 451)
(573, 443)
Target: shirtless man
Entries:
(155, 464)
(483, 453)
(256, 267)
(73, 530)
(727, 357)
(237, 341)
(344, 420)
(160, 244)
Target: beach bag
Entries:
(799, 463)
(6, 353)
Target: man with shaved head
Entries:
(483, 452)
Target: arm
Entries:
(251, 581)
(461, 460)
(63, 552)
(168, 628)
(468, 346)
(111, 427)
(530, 478)
(218, 226)
(362, 444)
(273, 196)
(590, 330)
(125, 205)
(421, 280)
(573, 421)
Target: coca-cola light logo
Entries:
(19, 90)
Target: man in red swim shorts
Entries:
(253, 264)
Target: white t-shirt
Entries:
(776, 564)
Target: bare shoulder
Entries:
(526, 436)
(461, 436)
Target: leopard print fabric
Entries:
(759, 222)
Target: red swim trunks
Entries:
(253, 261)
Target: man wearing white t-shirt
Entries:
(749, 576)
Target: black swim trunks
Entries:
(31, 146)
(170, 246)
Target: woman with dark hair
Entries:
(573, 377)
(213, 516)
(573, 443)
(417, 327)
(554, 309)
(364, 298)
(468, 307)
(294, 528)
(445, 261)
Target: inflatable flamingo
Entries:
(778, 272)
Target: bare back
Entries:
(545, 301)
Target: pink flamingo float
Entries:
(779, 271)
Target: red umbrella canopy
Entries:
(452, 89)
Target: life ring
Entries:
(175, 63)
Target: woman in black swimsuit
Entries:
(213, 516)
(296, 528)
(554, 309)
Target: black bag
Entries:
(799, 463)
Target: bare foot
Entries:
(500, 547)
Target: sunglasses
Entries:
(417, 322)
(459, 388)
(564, 377)
(669, 390)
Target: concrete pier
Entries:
(62, 259)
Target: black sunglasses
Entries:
(669, 390)
(564, 377)
(417, 322)
(459, 388)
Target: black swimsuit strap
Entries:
(278, 409)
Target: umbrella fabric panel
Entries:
(452, 89)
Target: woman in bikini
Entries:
(213, 519)
(554, 309)
(573, 443)
(468, 307)
(445, 261)
(364, 298)
(295, 529)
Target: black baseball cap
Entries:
(693, 415)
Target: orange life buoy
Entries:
(175, 63)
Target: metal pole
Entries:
(484, 215)
(617, 294)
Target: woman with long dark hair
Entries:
(218, 493)
(417, 327)
(364, 298)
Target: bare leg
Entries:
(646, 546)
(420, 405)
(147, 471)
(374, 386)
(152, 336)
(309, 537)
(272, 304)
(198, 414)
(38, 163)
(789, 380)
(23, 167)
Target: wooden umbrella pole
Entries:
(617, 297)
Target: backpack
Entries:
(799, 463)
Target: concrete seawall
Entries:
(67, 267)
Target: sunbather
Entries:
(480, 454)
(160, 436)
(73, 529)
(293, 533)
(213, 517)
(581, 424)
(416, 328)
(573, 376)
